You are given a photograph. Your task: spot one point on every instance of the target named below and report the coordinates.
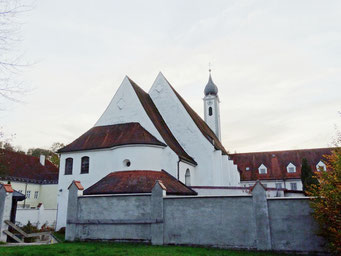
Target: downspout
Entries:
(25, 195)
(179, 168)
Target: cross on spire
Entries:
(209, 67)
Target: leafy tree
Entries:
(38, 151)
(51, 154)
(55, 157)
(7, 146)
(307, 175)
(326, 201)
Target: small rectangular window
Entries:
(278, 185)
(20, 191)
(293, 186)
(262, 171)
(36, 194)
(291, 169)
(28, 194)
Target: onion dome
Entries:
(211, 88)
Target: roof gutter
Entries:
(194, 163)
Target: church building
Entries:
(143, 137)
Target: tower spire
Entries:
(210, 88)
(211, 105)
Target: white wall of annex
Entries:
(102, 162)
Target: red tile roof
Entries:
(20, 167)
(8, 188)
(109, 136)
(160, 124)
(201, 124)
(125, 182)
(78, 185)
(276, 163)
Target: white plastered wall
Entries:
(211, 167)
(47, 194)
(124, 107)
(213, 121)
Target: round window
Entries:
(126, 163)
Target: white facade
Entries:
(212, 113)
(214, 168)
(36, 193)
(290, 184)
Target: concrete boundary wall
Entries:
(243, 222)
(37, 217)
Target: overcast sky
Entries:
(277, 65)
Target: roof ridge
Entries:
(280, 151)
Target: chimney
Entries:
(42, 160)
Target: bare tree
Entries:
(10, 60)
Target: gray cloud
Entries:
(276, 63)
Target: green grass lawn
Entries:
(119, 249)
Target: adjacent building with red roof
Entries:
(278, 169)
(35, 177)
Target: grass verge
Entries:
(121, 249)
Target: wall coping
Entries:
(288, 198)
(184, 197)
(115, 195)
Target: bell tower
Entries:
(211, 106)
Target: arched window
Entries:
(210, 111)
(85, 165)
(68, 166)
(188, 178)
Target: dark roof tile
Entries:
(125, 182)
(109, 136)
(18, 166)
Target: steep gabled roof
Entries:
(109, 136)
(20, 167)
(201, 124)
(276, 163)
(126, 182)
(160, 124)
